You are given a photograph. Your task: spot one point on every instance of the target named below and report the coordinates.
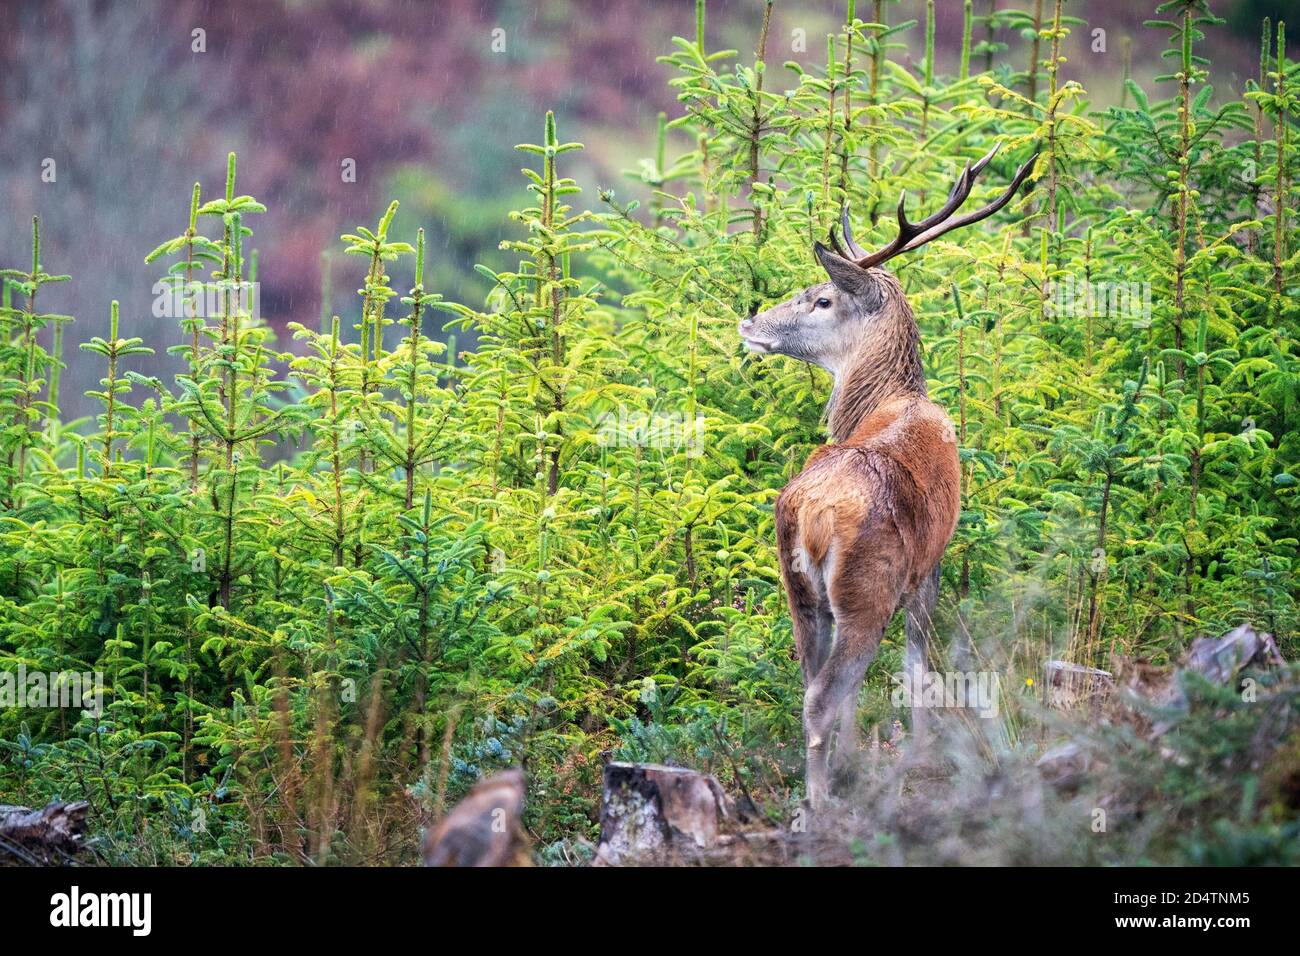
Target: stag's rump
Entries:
(866, 520)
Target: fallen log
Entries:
(484, 829)
(1219, 660)
(52, 835)
(655, 814)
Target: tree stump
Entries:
(484, 829)
(656, 814)
(52, 835)
(1069, 685)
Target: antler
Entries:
(850, 250)
(913, 235)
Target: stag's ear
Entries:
(847, 276)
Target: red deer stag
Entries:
(862, 528)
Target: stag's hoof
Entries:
(845, 776)
(816, 805)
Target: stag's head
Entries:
(828, 324)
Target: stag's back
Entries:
(885, 500)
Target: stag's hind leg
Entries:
(834, 691)
(810, 613)
(918, 607)
(814, 630)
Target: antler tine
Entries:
(956, 196)
(905, 232)
(908, 231)
(913, 235)
(835, 244)
(856, 251)
(984, 160)
(981, 213)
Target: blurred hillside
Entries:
(426, 99)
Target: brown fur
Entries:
(888, 491)
(861, 529)
(887, 365)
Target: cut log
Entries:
(655, 814)
(52, 835)
(484, 829)
(1141, 679)
(1221, 659)
(1069, 685)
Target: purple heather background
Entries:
(413, 92)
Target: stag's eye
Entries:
(822, 304)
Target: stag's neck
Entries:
(886, 366)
